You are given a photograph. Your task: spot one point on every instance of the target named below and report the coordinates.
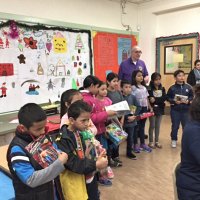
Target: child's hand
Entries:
(185, 102)
(152, 99)
(102, 161)
(178, 102)
(131, 118)
(63, 157)
(111, 113)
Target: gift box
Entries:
(116, 134)
(145, 115)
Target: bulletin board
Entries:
(110, 49)
(38, 63)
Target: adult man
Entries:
(131, 64)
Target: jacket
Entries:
(191, 78)
(96, 117)
(132, 101)
(183, 89)
(23, 191)
(73, 178)
(160, 98)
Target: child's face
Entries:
(94, 89)
(139, 77)
(82, 122)
(126, 89)
(76, 97)
(180, 78)
(103, 90)
(38, 128)
(114, 83)
(157, 81)
(197, 66)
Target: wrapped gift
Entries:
(42, 151)
(116, 134)
(145, 115)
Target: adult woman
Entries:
(194, 75)
(188, 175)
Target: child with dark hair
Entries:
(29, 178)
(115, 95)
(157, 98)
(179, 96)
(130, 118)
(67, 98)
(194, 75)
(139, 90)
(188, 174)
(71, 142)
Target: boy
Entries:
(129, 119)
(179, 95)
(30, 180)
(78, 166)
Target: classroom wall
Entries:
(101, 13)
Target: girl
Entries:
(67, 98)
(194, 75)
(157, 97)
(101, 102)
(116, 96)
(140, 92)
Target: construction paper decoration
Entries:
(13, 84)
(40, 70)
(68, 72)
(62, 82)
(6, 69)
(79, 71)
(79, 51)
(30, 42)
(49, 45)
(79, 43)
(14, 33)
(75, 64)
(74, 86)
(32, 90)
(21, 58)
(50, 85)
(20, 46)
(80, 63)
(3, 90)
(59, 43)
(7, 43)
(85, 66)
(1, 43)
(41, 44)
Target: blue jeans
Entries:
(130, 131)
(177, 117)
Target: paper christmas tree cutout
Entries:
(79, 43)
(74, 86)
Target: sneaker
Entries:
(113, 163)
(105, 182)
(146, 136)
(132, 156)
(117, 160)
(151, 145)
(110, 173)
(173, 144)
(136, 149)
(158, 145)
(145, 148)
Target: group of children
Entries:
(85, 153)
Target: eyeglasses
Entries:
(138, 51)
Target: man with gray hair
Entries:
(131, 64)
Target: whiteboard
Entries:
(39, 63)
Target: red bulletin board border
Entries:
(105, 48)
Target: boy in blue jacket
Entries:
(180, 96)
(30, 179)
(130, 118)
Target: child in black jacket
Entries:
(157, 98)
(180, 96)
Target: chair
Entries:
(176, 167)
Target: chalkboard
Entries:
(110, 49)
(38, 63)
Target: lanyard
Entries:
(79, 145)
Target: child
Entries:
(67, 98)
(116, 96)
(140, 92)
(129, 120)
(157, 98)
(100, 103)
(70, 141)
(179, 95)
(29, 178)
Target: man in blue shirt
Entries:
(131, 64)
